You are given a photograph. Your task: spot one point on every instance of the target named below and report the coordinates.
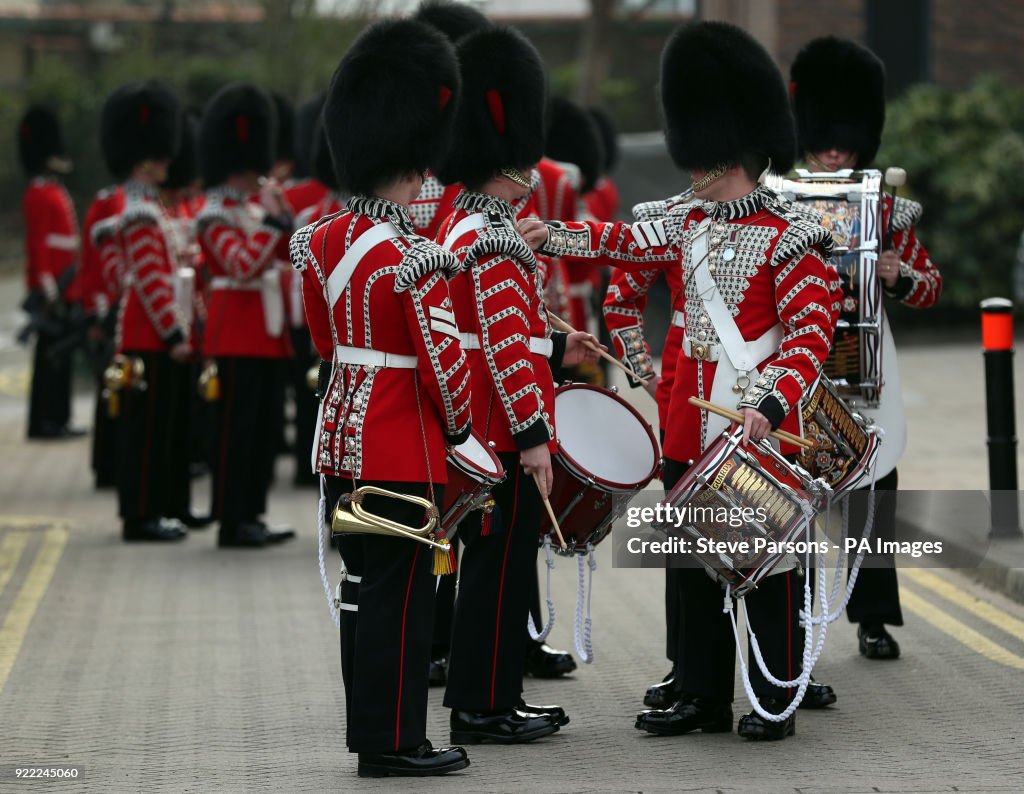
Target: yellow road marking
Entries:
(958, 631)
(1011, 625)
(19, 617)
(10, 552)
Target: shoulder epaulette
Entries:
(425, 256)
(499, 236)
(213, 211)
(803, 232)
(103, 229)
(140, 211)
(905, 213)
(655, 210)
(298, 246)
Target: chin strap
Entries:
(710, 178)
(517, 177)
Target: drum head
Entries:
(472, 455)
(603, 437)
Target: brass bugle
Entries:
(350, 516)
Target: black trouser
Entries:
(671, 591)
(49, 404)
(485, 671)
(705, 646)
(386, 620)
(152, 459)
(245, 447)
(104, 440)
(876, 595)
(306, 405)
(444, 605)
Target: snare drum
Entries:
(845, 446)
(606, 453)
(473, 471)
(739, 493)
(848, 203)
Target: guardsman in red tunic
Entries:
(140, 131)
(499, 137)
(756, 280)
(246, 333)
(398, 392)
(840, 114)
(51, 248)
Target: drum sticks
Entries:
(551, 513)
(737, 417)
(562, 325)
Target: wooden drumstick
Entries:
(551, 512)
(737, 417)
(562, 325)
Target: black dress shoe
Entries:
(663, 695)
(244, 535)
(276, 534)
(423, 761)
(710, 716)
(756, 728)
(48, 432)
(196, 522)
(874, 642)
(555, 713)
(543, 661)
(158, 529)
(438, 672)
(506, 727)
(817, 696)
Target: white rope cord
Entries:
(321, 520)
(581, 630)
(540, 636)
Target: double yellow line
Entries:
(959, 631)
(23, 607)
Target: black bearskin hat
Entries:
(140, 121)
(237, 133)
(284, 148)
(501, 120)
(307, 124)
(573, 137)
(609, 137)
(39, 139)
(184, 168)
(391, 104)
(838, 90)
(724, 100)
(321, 164)
(454, 20)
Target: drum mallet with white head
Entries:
(894, 178)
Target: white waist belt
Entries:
(759, 349)
(226, 282)
(678, 319)
(365, 357)
(538, 344)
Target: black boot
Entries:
(818, 696)
(543, 661)
(159, 529)
(755, 727)
(506, 727)
(438, 672)
(241, 535)
(555, 713)
(689, 714)
(874, 642)
(421, 761)
(663, 695)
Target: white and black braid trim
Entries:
(424, 256)
(298, 246)
(802, 233)
(905, 213)
(500, 238)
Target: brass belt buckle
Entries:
(699, 351)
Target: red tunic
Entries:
(97, 294)
(139, 246)
(241, 247)
(920, 283)
(383, 423)
(498, 305)
(603, 201)
(434, 203)
(303, 193)
(777, 272)
(51, 236)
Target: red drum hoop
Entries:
(473, 471)
(606, 453)
(744, 480)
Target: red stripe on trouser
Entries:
(401, 651)
(228, 396)
(789, 630)
(148, 443)
(501, 585)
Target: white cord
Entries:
(321, 520)
(540, 636)
(584, 647)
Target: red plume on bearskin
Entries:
(838, 90)
(39, 139)
(724, 100)
(139, 121)
(237, 133)
(386, 114)
(501, 121)
(573, 137)
(454, 20)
